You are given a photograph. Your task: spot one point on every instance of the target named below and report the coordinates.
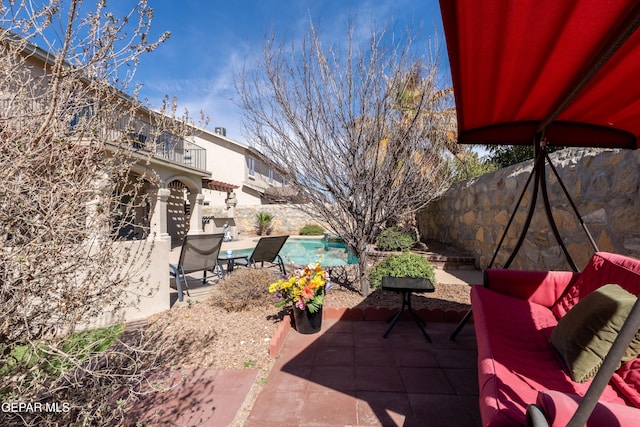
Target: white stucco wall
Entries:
(146, 262)
(227, 162)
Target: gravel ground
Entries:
(205, 335)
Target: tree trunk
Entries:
(363, 277)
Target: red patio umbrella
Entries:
(545, 72)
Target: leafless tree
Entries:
(363, 131)
(67, 191)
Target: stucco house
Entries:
(171, 168)
(239, 165)
(191, 182)
(192, 178)
(240, 176)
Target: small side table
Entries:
(407, 285)
(231, 261)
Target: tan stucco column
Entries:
(158, 220)
(97, 219)
(231, 203)
(195, 222)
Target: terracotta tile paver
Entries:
(199, 397)
(383, 408)
(439, 410)
(329, 408)
(277, 407)
(349, 375)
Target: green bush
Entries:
(312, 230)
(404, 265)
(78, 346)
(244, 289)
(392, 239)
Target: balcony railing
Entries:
(187, 154)
(166, 146)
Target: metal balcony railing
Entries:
(185, 153)
(166, 146)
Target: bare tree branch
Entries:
(69, 184)
(360, 130)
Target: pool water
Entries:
(304, 251)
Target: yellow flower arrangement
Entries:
(305, 288)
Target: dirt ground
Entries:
(205, 335)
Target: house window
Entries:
(251, 164)
(270, 176)
(82, 115)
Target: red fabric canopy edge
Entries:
(514, 62)
(567, 133)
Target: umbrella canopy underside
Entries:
(567, 71)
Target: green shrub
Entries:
(78, 346)
(392, 239)
(312, 230)
(264, 223)
(243, 289)
(404, 265)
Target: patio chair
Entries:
(267, 250)
(199, 252)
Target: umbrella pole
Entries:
(573, 205)
(534, 173)
(547, 209)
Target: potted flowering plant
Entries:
(304, 289)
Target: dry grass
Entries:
(242, 290)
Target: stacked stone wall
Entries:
(604, 184)
(287, 219)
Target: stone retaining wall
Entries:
(604, 184)
(287, 219)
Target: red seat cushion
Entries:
(515, 357)
(627, 380)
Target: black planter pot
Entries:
(307, 322)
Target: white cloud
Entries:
(199, 61)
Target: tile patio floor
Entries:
(349, 375)
(346, 375)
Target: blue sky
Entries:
(209, 39)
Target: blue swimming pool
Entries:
(300, 251)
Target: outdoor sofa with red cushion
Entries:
(515, 314)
